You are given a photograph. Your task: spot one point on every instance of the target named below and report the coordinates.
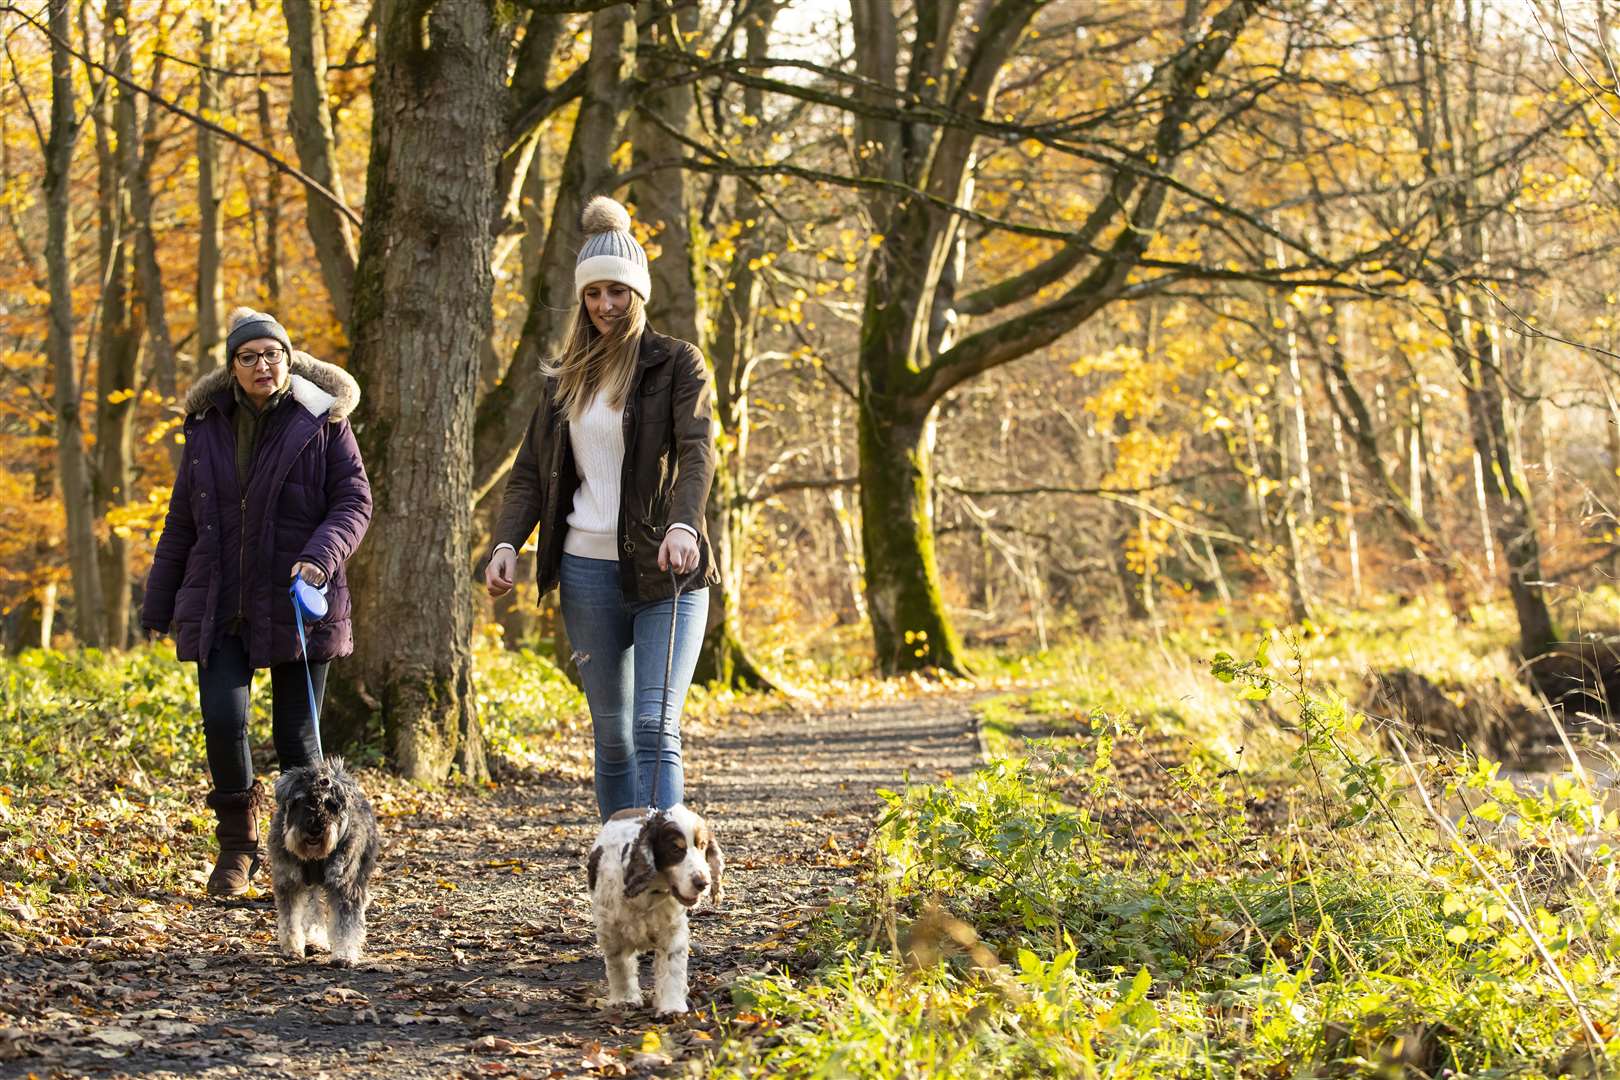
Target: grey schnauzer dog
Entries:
(323, 846)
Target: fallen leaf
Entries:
(492, 1044)
(117, 1036)
(599, 1060)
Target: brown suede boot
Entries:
(238, 836)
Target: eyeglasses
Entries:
(272, 357)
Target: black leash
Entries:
(663, 705)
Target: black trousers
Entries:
(223, 686)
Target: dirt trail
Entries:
(481, 959)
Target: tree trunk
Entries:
(664, 199)
(504, 413)
(1132, 596)
(1610, 492)
(910, 629)
(421, 316)
(272, 210)
(725, 659)
(1346, 497)
(1405, 507)
(310, 120)
(847, 531)
(1507, 500)
(1452, 139)
(118, 363)
(210, 242)
(73, 463)
(953, 59)
(134, 158)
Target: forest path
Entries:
(481, 959)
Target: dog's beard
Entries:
(310, 850)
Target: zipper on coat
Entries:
(241, 565)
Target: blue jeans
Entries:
(620, 646)
(223, 687)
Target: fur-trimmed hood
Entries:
(321, 388)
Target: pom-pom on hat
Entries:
(244, 324)
(610, 251)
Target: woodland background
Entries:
(1025, 317)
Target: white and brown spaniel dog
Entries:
(645, 872)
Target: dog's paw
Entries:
(668, 1009)
(316, 938)
(344, 961)
(292, 952)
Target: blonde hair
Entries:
(593, 362)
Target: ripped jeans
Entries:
(620, 646)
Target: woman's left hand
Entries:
(679, 550)
(310, 573)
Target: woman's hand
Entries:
(679, 550)
(310, 573)
(498, 574)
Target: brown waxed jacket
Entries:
(668, 467)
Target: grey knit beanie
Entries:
(610, 251)
(244, 324)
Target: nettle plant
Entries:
(1327, 728)
(1001, 843)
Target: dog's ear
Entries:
(717, 864)
(639, 870)
(590, 867)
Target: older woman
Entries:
(615, 471)
(270, 486)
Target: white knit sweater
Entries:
(598, 441)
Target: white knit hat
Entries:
(610, 252)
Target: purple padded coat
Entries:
(307, 499)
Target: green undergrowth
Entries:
(102, 775)
(1137, 888)
(530, 713)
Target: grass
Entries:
(1184, 864)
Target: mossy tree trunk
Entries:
(918, 172)
(910, 628)
(421, 317)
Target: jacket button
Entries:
(629, 547)
(554, 476)
(202, 494)
(196, 461)
(208, 528)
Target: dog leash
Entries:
(306, 598)
(663, 705)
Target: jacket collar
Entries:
(654, 350)
(324, 390)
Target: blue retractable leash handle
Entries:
(309, 602)
(663, 706)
